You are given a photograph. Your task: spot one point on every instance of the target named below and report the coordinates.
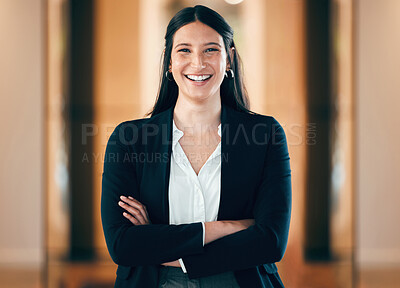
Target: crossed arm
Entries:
(137, 214)
(230, 245)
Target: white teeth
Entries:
(198, 78)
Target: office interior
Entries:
(327, 70)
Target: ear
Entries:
(231, 53)
(170, 61)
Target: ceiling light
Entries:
(233, 2)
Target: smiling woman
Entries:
(214, 211)
(200, 60)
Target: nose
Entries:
(197, 61)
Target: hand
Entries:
(219, 229)
(173, 263)
(243, 224)
(137, 211)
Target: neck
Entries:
(198, 116)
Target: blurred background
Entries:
(327, 70)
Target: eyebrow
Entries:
(206, 44)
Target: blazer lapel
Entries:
(156, 168)
(156, 174)
(230, 163)
(166, 163)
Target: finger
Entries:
(147, 215)
(145, 211)
(142, 208)
(134, 212)
(131, 218)
(136, 204)
(132, 201)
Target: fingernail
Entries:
(121, 203)
(123, 197)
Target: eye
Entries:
(185, 50)
(211, 50)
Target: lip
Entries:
(198, 83)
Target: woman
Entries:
(199, 194)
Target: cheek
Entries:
(178, 63)
(219, 65)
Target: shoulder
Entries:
(132, 128)
(143, 131)
(254, 120)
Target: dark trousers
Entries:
(173, 277)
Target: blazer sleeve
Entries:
(131, 245)
(264, 242)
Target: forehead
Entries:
(197, 33)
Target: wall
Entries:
(117, 84)
(274, 65)
(378, 138)
(21, 126)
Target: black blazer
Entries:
(255, 183)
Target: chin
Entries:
(202, 97)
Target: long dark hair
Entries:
(233, 91)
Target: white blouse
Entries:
(193, 198)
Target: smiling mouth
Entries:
(198, 78)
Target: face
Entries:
(198, 61)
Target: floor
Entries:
(385, 278)
(101, 275)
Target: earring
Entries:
(231, 76)
(166, 75)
